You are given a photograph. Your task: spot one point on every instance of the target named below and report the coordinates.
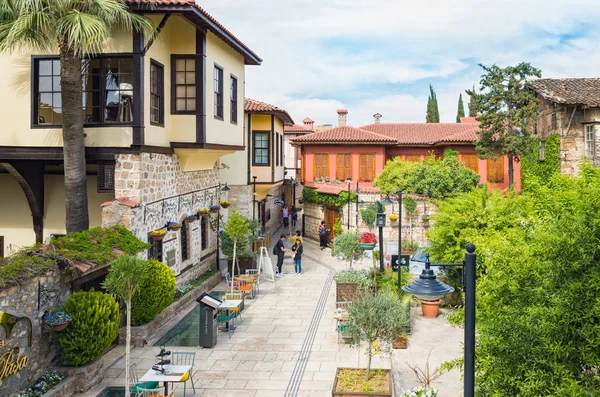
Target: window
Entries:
(155, 250)
(203, 233)
(542, 151)
(184, 242)
(1, 246)
(261, 147)
(302, 165)
(470, 161)
(412, 157)
(343, 166)
(277, 149)
(367, 167)
(157, 92)
(589, 142)
(233, 95)
(495, 170)
(281, 154)
(105, 182)
(321, 165)
(218, 92)
(107, 84)
(183, 84)
(553, 121)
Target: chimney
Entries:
(342, 113)
(309, 124)
(377, 118)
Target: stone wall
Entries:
(22, 302)
(151, 190)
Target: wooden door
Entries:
(1, 246)
(331, 214)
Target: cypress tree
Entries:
(473, 102)
(433, 113)
(461, 109)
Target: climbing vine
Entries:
(336, 200)
(534, 171)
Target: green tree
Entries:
(155, 294)
(461, 109)
(78, 29)
(369, 215)
(432, 177)
(125, 276)
(433, 113)
(473, 102)
(237, 229)
(347, 247)
(509, 108)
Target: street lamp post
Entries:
(356, 193)
(254, 198)
(380, 225)
(348, 207)
(427, 287)
(223, 189)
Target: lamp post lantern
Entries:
(254, 198)
(356, 192)
(427, 287)
(380, 221)
(399, 239)
(348, 209)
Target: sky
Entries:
(372, 56)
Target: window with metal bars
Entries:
(105, 182)
(184, 242)
(203, 233)
(155, 250)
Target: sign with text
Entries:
(11, 361)
(404, 260)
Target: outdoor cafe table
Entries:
(228, 305)
(245, 277)
(177, 372)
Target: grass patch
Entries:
(355, 380)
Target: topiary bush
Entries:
(94, 327)
(154, 295)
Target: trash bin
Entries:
(208, 320)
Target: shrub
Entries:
(346, 247)
(154, 295)
(94, 327)
(353, 276)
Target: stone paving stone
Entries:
(210, 383)
(281, 375)
(269, 366)
(224, 365)
(247, 375)
(269, 384)
(235, 384)
(210, 375)
(230, 393)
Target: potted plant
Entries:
(57, 321)
(238, 230)
(430, 308)
(425, 217)
(203, 211)
(420, 391)
(409, 247)
(367, 241)
(394, 218)
(158, 234)
(401, 342)
(215, 208)
(376, 318)
(346, 246)
(225, 204)
(351, 283)
(190, 218)
(173, 226)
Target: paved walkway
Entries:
(287, 344)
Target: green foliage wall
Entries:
(336, 200)
(154, 294)
(94, 327)
(534, 171)
(538, 283)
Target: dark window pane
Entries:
(45, 68)
(45, 84)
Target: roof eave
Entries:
(250, 58)
(285, 118)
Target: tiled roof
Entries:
(254, 106)
(297, 129)
(345, 134)
(469, 120)
(579, 91)
(342, 111)
(331, 188)
(308, 120)
(426, 133)
(214, 25)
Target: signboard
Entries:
(380, 221)
(11, 362)
(278, 202)
(404, 260)
(265, 266)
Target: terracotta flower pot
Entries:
(58, 328)
(430, 308)
(225, 205)
(174, 228)
(158, 237)
(401, 342)
(190, 219)
(202, 213)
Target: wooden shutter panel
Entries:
(495, 169)
(106, 177)
(339, 160)
(348, 166)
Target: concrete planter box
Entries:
(354, 393)
(345, 292)
(78, 380)
(141, 334)
(245, 264)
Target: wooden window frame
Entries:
(490, 162)
(218, 76)
(105, 176)
(233, 93)
(470, 155)
(159, 93)
(589, 144)
(268, 148)
(337, 166)
(174, 84)
(185, 242)
(361, 177)
(315, 173)
(203, 233)
(156, 249)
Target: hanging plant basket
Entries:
(190, 218)
(215, 208)
(394, 219)
(225, 204)
(57, 321)
(173, 226)
(425, 218)
(157, 237)
(203, 212)
(367, 246)
(298, 208)
(58, 327)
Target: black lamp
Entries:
(427, 287)
(225, 188)
(387, 200)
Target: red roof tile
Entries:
(254, 106)
(123, 201)
(426, 133)
(469, 120)
(297, 129)
(342, 111)
(336, 188)
(578, 91)
(250, 56)
(308, 120)
(345, 134)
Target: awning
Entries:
(199, 159)
(263, 189)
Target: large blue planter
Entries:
(367, 246)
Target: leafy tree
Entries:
(461, 109)
(432, 177)
(410, 205)
(125, 276)
(473, 102)
(155, 294)
(433, 113)
(237, 229)
(78, 29)
(369, 215)
(509, 108)
(347, 247)
(538, 282)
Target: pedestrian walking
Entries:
(298, 248)
(280, 250)
(294, 216)
(296, 236)
(323, 235)
(285, 213)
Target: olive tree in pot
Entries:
(377, 319)
(346, 246)
(351, 283)
(238, 230)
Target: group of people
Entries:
(286, 213)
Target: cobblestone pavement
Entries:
(287, 344)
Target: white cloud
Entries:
(322, 54)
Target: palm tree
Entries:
(79, 29)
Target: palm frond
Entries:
(85, 34)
